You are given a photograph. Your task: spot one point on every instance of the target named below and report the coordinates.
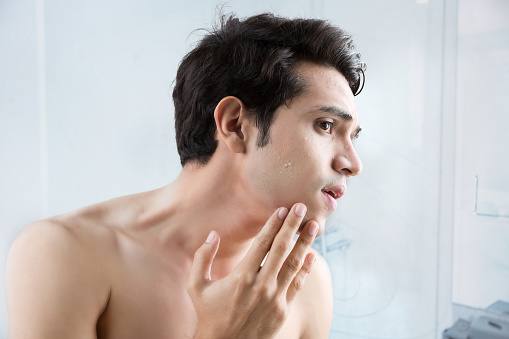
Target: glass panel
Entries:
(481, 249)
(381, 244)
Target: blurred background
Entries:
(421, 238)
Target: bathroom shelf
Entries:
(487, 214)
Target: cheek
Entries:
(301, 166)
(267, 174)
(291, 172)
(310, 160)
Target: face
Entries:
(310, 152)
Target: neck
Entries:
(206, 198)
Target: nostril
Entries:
(348, 172)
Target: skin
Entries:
(139, 266)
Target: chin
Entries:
(321, 224)
(321, 230)
(320, 219)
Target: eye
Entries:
(356, 136)
(326, 126)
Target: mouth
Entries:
(333, 193)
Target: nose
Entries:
(346, 161)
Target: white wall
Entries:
(21, 186)
(86, 115)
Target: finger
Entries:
(263, 241)
(295, 260)
(283, 242)
(300, 278)
(202, 263)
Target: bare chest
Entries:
(151, 301)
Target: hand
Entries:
(254, 301)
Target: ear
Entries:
(230, 117)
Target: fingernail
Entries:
(313, 228)
(300, 210)
(283, 212)
(211, 237)
(311, 258)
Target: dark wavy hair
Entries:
(254, 60)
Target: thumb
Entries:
(203, 258)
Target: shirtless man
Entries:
(265, 119)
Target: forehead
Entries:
(324, 86)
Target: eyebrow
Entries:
(338, 112)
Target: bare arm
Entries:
(54, 288)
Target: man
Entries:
(265, 120)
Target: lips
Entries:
(333, 193)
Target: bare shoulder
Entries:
(55, 280)
(316, 300)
